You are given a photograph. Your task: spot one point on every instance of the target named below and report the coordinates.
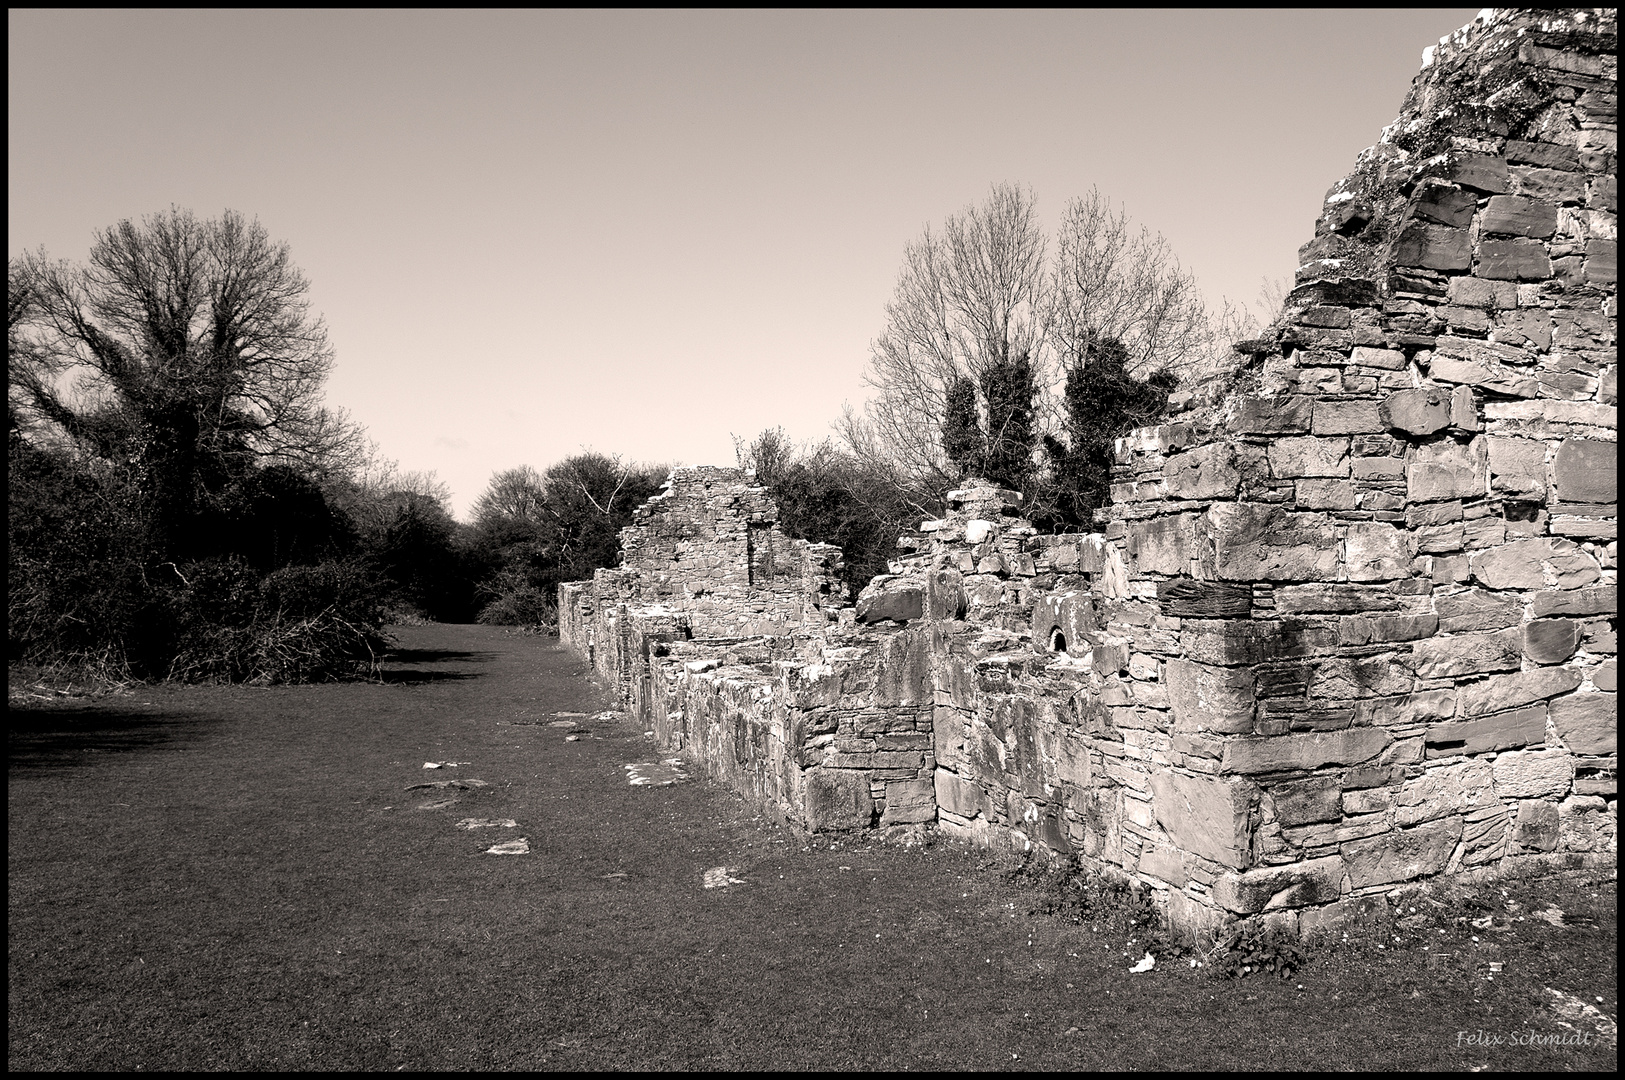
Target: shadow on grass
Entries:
(411, 675)
(55, 738)
(436, 656)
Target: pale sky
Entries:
(644, 232)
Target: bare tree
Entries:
(186, 349)
(1109, 282)
(983, 295)
(514, 495)
(969, 297)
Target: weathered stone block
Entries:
(1442, 791)
(1513, 215)
(1205, 815)
(1506, 731)
(1586, 471)
(1533, 774)
(1542, 154)
(1323, 495)
(1272, 415)
(1377, 551)
(1464, 410)
(1481, 172)
(1292, 457)
(1342, 678)
(1551, 641)
(1280, 753)
(1535, 564)
(1304, 802)
(1605, 676)
(1444, 205)
(837, 799)
(909, 802)
(1500, 692)
(1165, 864)
(1163, 545)
(1597, 600)
(960, 796)
(1492, 377)
(1446, 470)
(1346, 418)
(1434, 247)
(1602, 262)
(1468, 654)
(1314, 881)
(1536, 827)
(1259, 542)
(1401, 856)
(1475, 609)
(1585, 823)
(892, 600)
(1417, 412)
(1477, 292)
(1207, 472)
(1517, 466)
(1513, 260)
(1333, 598)
(1588, 723)
(1206, 698)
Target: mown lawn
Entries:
(232, 877)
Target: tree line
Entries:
(182, 504)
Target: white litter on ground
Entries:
(656, 773)
(445, 764)
(520, 846)
(464, 784)
(1144, 965)
(718, 878)
(487, 823)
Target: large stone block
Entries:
(1551, 641)
(1433, 247)
(1417, 412)
(1455, 655)
(1309, 456)
(1587, 471)
(1518, 466)
(1207, 472)
(945, 596)
(1536, 827)
(1596, 600)
(1491, 377)
(1163, 545)
(1205, 815)
(1513, 215)
(1533, 774)
(1442, 791)
(909, 802)
(898, 600)
(1377, 551)
(1504, 731)
(1499, 692)
(1207, 698)
(1333, 598)
(1279, 753)
(1401, 856)
(1587, 823)
(1314, 881)
(960, 796)
(1444, 205)
(1446, 470)
(837, 799)
(1513, 260)
(1305, 802)
(1341, 678)
(1259, 542)
(1476, 609)
(1535, 564)
(1588, 723)
(1347, 417)
(1272, 415)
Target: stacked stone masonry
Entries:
(1350, 624)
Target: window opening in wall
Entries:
(1057, 640)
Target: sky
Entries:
(536, 232)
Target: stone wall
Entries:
(1350, 624)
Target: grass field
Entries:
(239, 878)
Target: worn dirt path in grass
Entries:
(229, 877)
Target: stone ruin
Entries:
(1350, 622)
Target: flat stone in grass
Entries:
(520, 846)
(656, 773)
(472, 823)
(719, 877)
